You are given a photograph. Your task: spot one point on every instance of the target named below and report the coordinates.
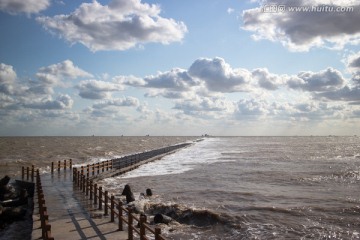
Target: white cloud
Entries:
(302, 30)
(21, 6)
(7, 78)
(268, 80)
(118, 102)
(353, 66)
(120, 25)
(219, 76)
(61, 102)
(95, 89)
(205, 107)
(230, 10)
(246, 108)
(344, 94)
(325, 80)
(53, 74)
(176, 79)
(130, 80)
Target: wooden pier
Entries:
(69, 204)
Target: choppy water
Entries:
(258, 188)
(236, 187)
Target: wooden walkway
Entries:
(71, 214)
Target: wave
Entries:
(345, 176)
(201, 218)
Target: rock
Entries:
(160, 218)
(128, 193)
(148, 192)
(3, 187)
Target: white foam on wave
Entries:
(181, 161)
(95, 160)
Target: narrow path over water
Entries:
(71, 214)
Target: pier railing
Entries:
(44, 217)
(61, 165)
(103, 201)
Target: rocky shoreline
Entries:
(16, 208)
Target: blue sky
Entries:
(221, 67)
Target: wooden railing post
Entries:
(142, 227)
(87, 170)
(95, 193)
(59, 166)
(27, 173)
(32, 172)
(74, 175)
(112, 212)
(52, 167)
(87, 187)
(70, 163)
(106, 211)
(100, 198)
(78, 178)
(23, 173)
(130, 223)
(91, 189)
(120, 214)
(65, 164)
(83, 183)
(157, 233)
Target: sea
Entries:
(225, 187)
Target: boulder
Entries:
(128, 193)
(160, 218)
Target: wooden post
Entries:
(157, 233)
(87, 187)
(83, 183)
(103, 166)
(74, 175)
(32, 172)
(65, 164)
(91, 189)
(59, 166)
(142, 227)
(70, 163)
(95, 193)
(78, 178)
(27, 173)
(23, 173)
(87, 170)
(93, 169)
(100, 198)
(130, 223)
(112, 211)
(82, 170)
(120, 211)
(52, 167)
(106, 211)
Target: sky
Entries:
(180, 67)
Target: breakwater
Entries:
(127, 163)
(129, 160)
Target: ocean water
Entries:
(256, 188)
(226, 187)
